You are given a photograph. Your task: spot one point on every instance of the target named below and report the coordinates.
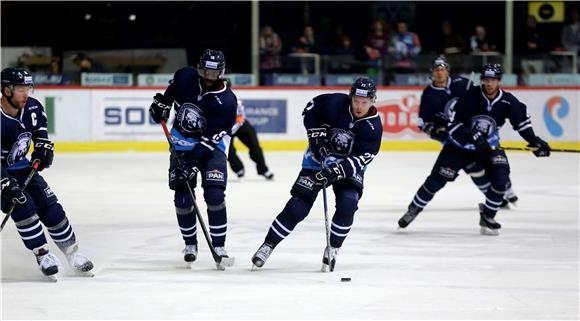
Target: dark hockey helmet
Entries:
(212, 64)
(364, 87)
(440, 61)
(491, 71)
(16, 77)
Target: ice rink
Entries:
(440, 267)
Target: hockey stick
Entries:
(327, 227)
(218, 259)
(558, 150)
(28, 179)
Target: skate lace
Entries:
(221, 251)
(190, 249)
(48, 260)
(333, 252)
(264, 252)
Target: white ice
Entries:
(440, 267)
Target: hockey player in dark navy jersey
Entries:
(344, 135)
(474, 135)
(205, 110)
(24, 123)
(437, 102)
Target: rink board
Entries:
(116, 119)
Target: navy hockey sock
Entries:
(31, 232)
(217, 215)
(426, 192)
(294, 212)
(493, 200)
(186, 217)
(346, 206)
(481, 181)
(62, 234)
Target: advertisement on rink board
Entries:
(89, 115)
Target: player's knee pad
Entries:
(182, 201)
(305, 188)
(434, 183)
(214, 197)
(296, 209)
(52, 215)
(346, 203)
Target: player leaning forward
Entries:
(474, 135)
(344, 135)
(205, 114)
(23, 121)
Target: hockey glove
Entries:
(540, 147)
(11, 192)
(160, 108)
(43, 152)
(329, 175)
(481, 144)
(318, 141)
(186, 170)
(436, 132)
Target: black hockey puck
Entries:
(344, 279)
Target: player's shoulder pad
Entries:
(184, 73)
(372, 124)
(509, 98)
(455, 79)
(33, 104)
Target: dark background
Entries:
(226, 25)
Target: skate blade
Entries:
(487, 231)
(86, 274)
(255, 267)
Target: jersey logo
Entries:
(483, 124)
(190, 118)
(341, 141)
(215, 175)
(305, 182)
(19, 149)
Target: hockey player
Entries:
(24, 122)
(205, 114)
(344, 135)
(437, 102)
(474, 136)
(247, 135)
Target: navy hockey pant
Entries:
(304, 192)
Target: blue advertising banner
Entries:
(267, 115)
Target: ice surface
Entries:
(440, 267)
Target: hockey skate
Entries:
(329, 259)
(47, 262)
(509, 200)
(225, 260)
(261, 255)
(488, 225)
(241, 173)
(409, 216)
(190, 254)
(268, 175)
(80, 264)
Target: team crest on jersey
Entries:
(19, 149)
(449, 108)
(190, 118)
(483, 124)
(341, 141)
(214, 175)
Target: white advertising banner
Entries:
(122, 114)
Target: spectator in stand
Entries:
(480, 42)
(345, 60)
(270, 47)
(535, 41)
(377, 42)
(86, 64)
(451, 43)
(306, 42)
(533, 48)
(54, 67)
(571, 33)
(405, 47)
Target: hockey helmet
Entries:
(212, 64)
(491, 71)
(364, 87)
(16, 77)
(440, 61)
